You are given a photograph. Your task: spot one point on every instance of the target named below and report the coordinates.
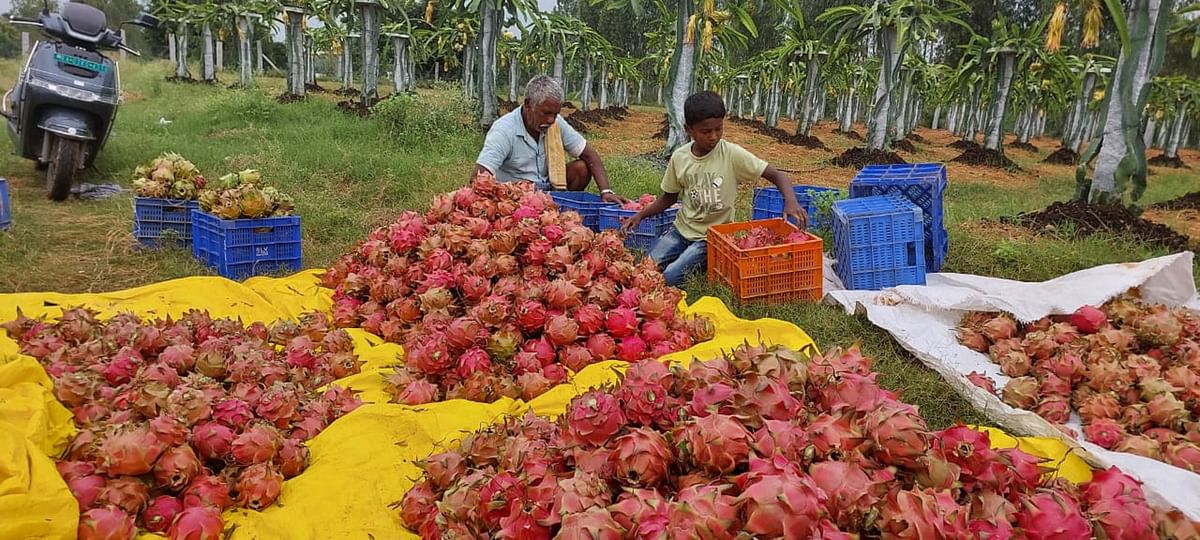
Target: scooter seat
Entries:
(84, 19)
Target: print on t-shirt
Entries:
(705, 192)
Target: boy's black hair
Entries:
(701, 106)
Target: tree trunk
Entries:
(811, 80)
(258, 57)
(295, 41)
(468, 74)
(172, 52)
(995, 135)
(659, 94)
(847, 123)
(640, 83)
(603, 85)
(681, 76)
(937, 116)
(437, 71)
(399, 64)
(756, 101)
(1078, 127)
(773, 103)
(1172, 148)
(512, 78)
(558, 67)
(245, 57)
(585, 92)
(1120, 155)
(220, 55)
(878, 130)
(310, 61)
(348, 63)
(489, 31)
(181, 66)
(1148, 135)
(902, 113)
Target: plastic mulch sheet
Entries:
(361, 465)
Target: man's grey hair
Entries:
(543, 88)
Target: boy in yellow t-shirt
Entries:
(705, 173)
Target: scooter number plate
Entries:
(80, 62)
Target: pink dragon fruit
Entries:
(292, 458)
(982, 381)
(86, 488)
(899, 434)
(602, 347)
(126, 492)
(923, 514)
(258, 486)
(1051, 514)
(177, 467)
(1117, 504)
(782, 505)
(212, 440)
(631, 349)
(594, 417)
(642, 458)
(473, 360)
(850, 490)
(106, 523)
(581, 491)
(590, 319)
(258, 444)
(131, 451)
(575, 357)
(533, 384)
(232, 412)
(1105, 433)
(198, 523)
(418, 392)
(717, 443)
(562, 330)
(621, 322)
(158, 516)
(595, 523)
(1088, 319)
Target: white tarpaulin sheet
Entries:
(924, 319)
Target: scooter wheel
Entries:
(63, 162)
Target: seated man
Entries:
(515, 148)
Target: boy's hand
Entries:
(631, 224)
(613, 198)
(794, 210)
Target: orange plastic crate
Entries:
(770, 274)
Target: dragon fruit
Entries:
(1021, 392)
(1088, 319)
(1158, 327)
(106, 523)
(621, 322)
(1050, 514)
(782, 504)
(86, 488)
(850, 490)
(1184, 455)
(1054, 408)
(1099, 406)
(602, 347)
(581, 491)
(1000, 327)
(1166, 410)
(127, 492)
(258, 486)
(699, 511)
(158, 516)
(642, 458)
(631, 349)
(922, 514)
(292, 458)
(177, 467)
(418, 392)
(982, 381)
(717, 443)
(595, 523)
(212, 440)
(198, 523)
(1105, 433)
(1117, 505)
(594, 417)
(899, 434)
(131, 450)
(562, 330)
(258, 444)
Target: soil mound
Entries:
(860, 157)
(1062, 156)
(1088, 219)
(984, 157)
(1162, 160)
(1191, 201)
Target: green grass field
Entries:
(350, 175)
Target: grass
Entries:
(350, 175)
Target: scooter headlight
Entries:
(77, 94)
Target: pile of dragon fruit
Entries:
(760, 237)
(1130, 370)
(494, 292)
(765, 443)
(180, 419)
(639, 203)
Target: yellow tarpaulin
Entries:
(362, 464)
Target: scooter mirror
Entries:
(145, 20)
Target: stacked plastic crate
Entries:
(879, 242)
(923, 184)
(241, 248)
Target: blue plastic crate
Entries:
(647, 231)
(588, 206)
(768, 203)
(241, 248)
(155, 220)
(5, 206)
(922, 183)
(879, 242)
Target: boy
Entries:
(706, 172)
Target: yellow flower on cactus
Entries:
(221, 34)
(1054, 30)
(1098, 95)
(708, 36)
(690, 36)
(1093, 19)
(1159, 114)
(429, 12)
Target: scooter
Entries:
(61, 110)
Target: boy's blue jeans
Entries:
(677, 256)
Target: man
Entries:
(515, 148)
